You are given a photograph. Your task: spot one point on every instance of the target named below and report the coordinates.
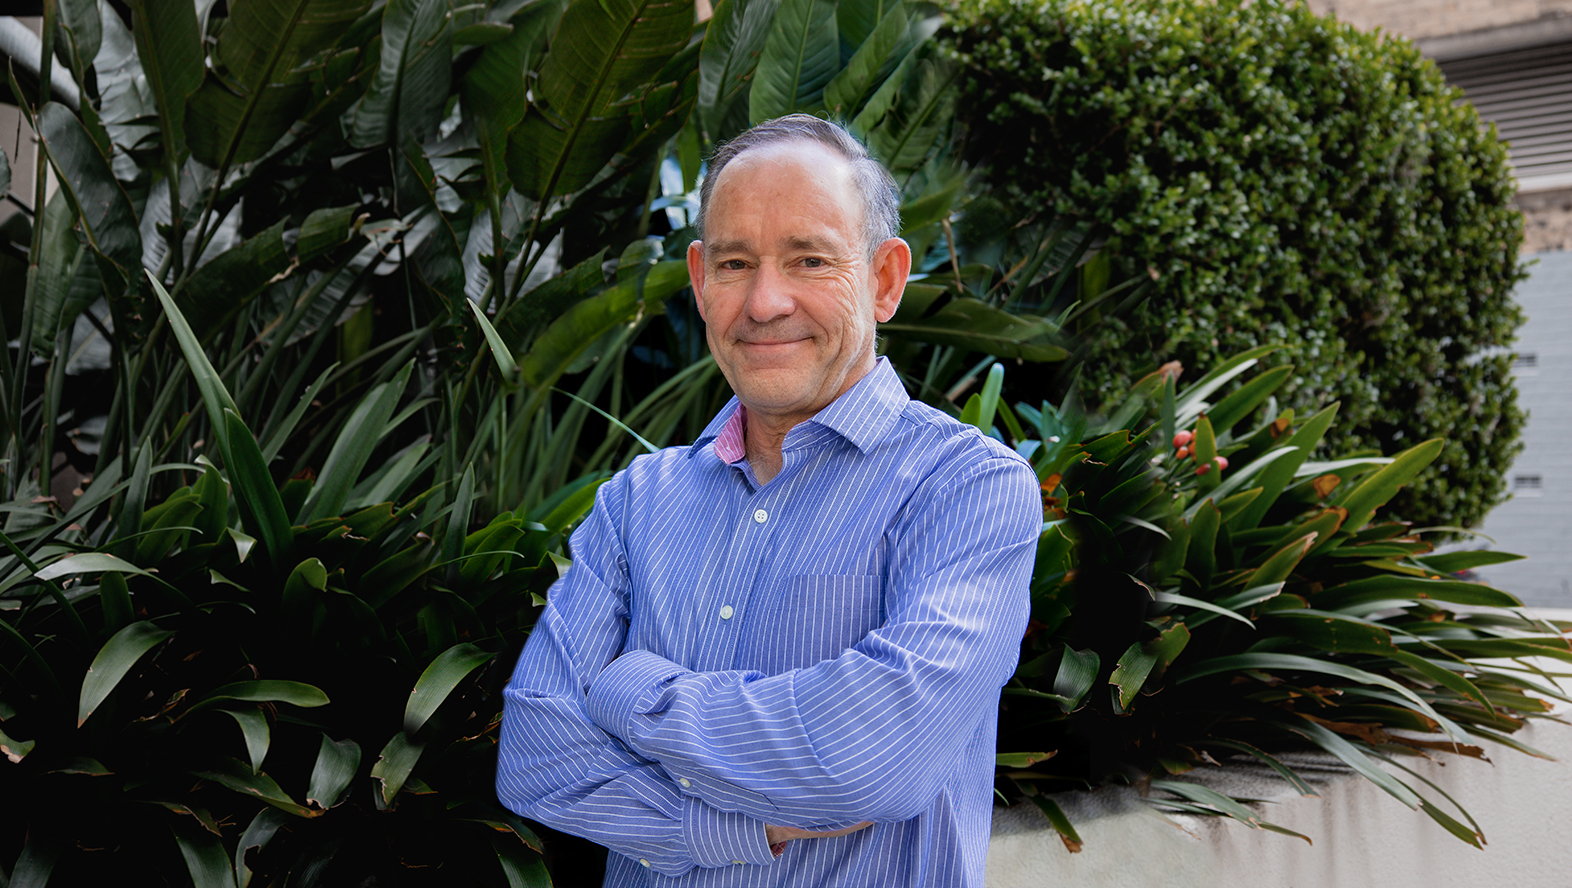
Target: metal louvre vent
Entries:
(1528, 94)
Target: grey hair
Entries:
(880, 196)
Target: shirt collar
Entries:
(862, 416)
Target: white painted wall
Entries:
(1363, 838)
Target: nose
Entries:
(770, 296)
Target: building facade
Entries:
(1513, 60)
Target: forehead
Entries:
(800, 181)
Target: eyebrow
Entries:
(800, 243)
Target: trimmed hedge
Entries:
(1287, 179)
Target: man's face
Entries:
(788, 294)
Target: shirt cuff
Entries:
(630, 685)
(716, 838)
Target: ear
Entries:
(696, 274)
(892, 264)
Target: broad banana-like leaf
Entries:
(203, 851)
(587, 321)
(547, 301)
(732, 45)
(406, 97)
(113, 661)
(352, 450)
(335, 767)
(60, 260)
(495, 91)
(323, 230)
(801, 54)
(874, 59)
(977, 326)
(224, 285)
(914, 127)
(107, 219)
(439, 680)
(256, 89)
(80, 32)
(169, 46)
(439, 261)
(600, 64)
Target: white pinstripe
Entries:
(874, 615)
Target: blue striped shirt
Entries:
(820, 650)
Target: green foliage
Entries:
(360, 657)
(1285, 178)
(1204, 588)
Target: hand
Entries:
(778, 836)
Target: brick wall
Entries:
(1422, 19)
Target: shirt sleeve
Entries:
(557, 767)
(874, 733)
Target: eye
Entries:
(813, 262)
(733, 264)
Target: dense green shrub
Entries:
(1236, 596)
(1287, 179)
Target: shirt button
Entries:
(737, 862)
(726, 612)
(760, 516)
(643, 862)
(685, 782)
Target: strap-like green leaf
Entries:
(266, 691)
(88, 562)
(439, 680)
(977, 326)
(352, 450)
(204, 855)
(393, 765)
(337, 762)
(257, 835)
(235, 775)
(15, 750)
(254, 727)
(113, 661)
(1374, 491)
(261, 507)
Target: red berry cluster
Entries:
(1182, 442)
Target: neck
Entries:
(762, 438)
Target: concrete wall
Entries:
(1535, 522)
(1425, 19)
(1362, 836)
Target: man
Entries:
(777, 657)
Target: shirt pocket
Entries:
(819, 618)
